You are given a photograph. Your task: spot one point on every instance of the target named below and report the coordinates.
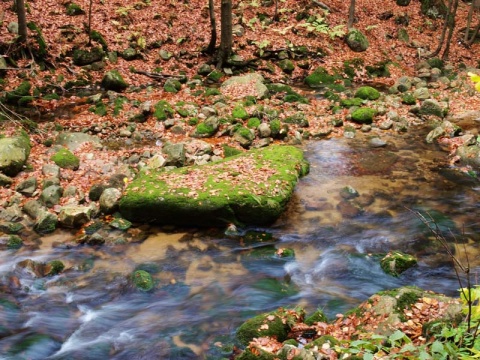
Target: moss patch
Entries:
(65, 159)
(363, 115)
(367, 93)
(252, 188)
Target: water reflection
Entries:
(207, 283)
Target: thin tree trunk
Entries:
(444, 31)
(89, 26)
(22, 21)
(451, 28)
(275, 16)
(213, 24)
(226, 32)
(475, 33)
(351, 14)
(469, 22)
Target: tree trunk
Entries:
(444, 31)
(22, 21)
(226, 32)
(213, 24)
(351, 14)
(451, 27)
(89, 27)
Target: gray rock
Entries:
(51, 195)
(12, 213)
(109, 200)
(165, 55)
(204, 69)
(446, 128)
(175, 154)
(32, 208)
(238, 30)
(208, 111)
(14, 152)
(12, 27)
(421, 93)
(264, 130)
(51, 170)
(50, 181)
(5, 180)
(386, 125)
(27, 187)
(255, 80)
(403, 84)
(198, 147)
(74, 216)
(113, 80)
(156, 162)
(73, 140)
(348, 193)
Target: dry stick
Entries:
(456, 262)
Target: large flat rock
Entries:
(252, 188)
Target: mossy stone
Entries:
(356, 40)
(14, 242)
(163, 110)
(317, 316)
(113, 80)
(142, 280)
(65, 159)
(320, 77)
(239, 112)
(74, 9)
(215, 75)
(409, 99)
(204, 130)
(287, 66)
(54, 267)
(172, 86)
(84, 57)
(363, 115)
(23, 90)
(253, 123)
(367, 93)
(436, 63)
(230, 151)
(351, 102)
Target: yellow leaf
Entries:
(474, 77)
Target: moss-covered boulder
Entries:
(286, 65)
(356, 40)
(162, 110)
(19, 93)
(252, 188)
(85, 57)
(363, 115)
(113, 80)
(74, 9)
(320, 77)
(65, 159)
(273, 324)
(14, 152)
(367, 93)
(396, 262)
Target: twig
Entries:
(158, 76)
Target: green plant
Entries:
(262, 45)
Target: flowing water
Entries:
(208, 283)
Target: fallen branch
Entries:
(158, 76)
(322, 5)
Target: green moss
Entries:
(279, 323)
(396, 262)
(74, 9)
(351, 102)
(249, 100)
(409, 99)
(192, 121)
(99, 109)
(380, 69)
(363, 115)
(65, 159)
(13, 97)
(96, 36)
(203, 129)
(317, 316)
(163, 110)
(436, 63)
(239, 112)
(245, 133)
(172, 86)
(297, 119)
(230, 151)
(84, 57)
(367, 93)
(56, 267)
(319, 77)
(212, 92)
(14, 242)
(142, 280)
(325, 339)
(259, 354)
(215, 75)
(253, 123)
(52, 96)
(275, 127)
(286, 65)
(118, 105)
(149, 198)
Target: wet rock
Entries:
(74, 216)
(376, 142)
(348, 193)
(14, 152)
(446, 128)
(396, 262)
(10, 242)
(51, 195)
(142, 280)
(349, 209)
(120, 224)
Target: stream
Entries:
(208, 283)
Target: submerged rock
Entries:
(251, 188)
(396, 262)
